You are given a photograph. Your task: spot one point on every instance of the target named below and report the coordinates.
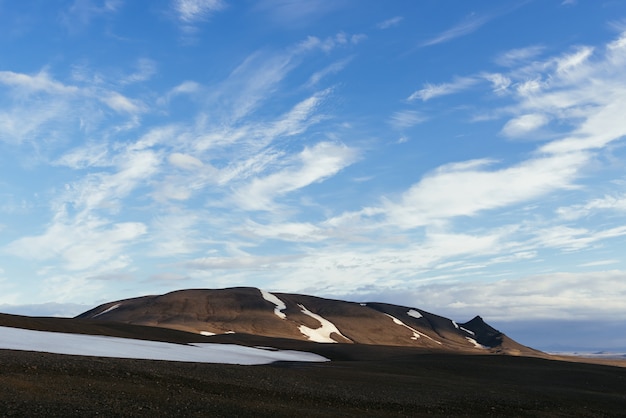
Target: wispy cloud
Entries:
(40, 82)
(499, 82)
(122, 104)
(312, 165)
(329, 43)
(194, 11)
(610, 202)
(565, 295)
(467, 26)
(469, 188)
(391, 22)
(191, 13)
(146, 68)
(519, 56)
(81, 12)
(524, 125)
(295, 13)
(431, 91)
(406, 119)
(333, 68)
(84, 244)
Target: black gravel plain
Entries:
(360, 381)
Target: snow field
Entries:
(103, 346)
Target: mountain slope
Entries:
(246, 310)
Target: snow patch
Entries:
(414, 314)
(107, 310)
(102, 346)
(280, 305)
(455, 324)
(210, 334)
(321, 334)
(475, 343)
(467, 330)
(416, 333)
(363, 304)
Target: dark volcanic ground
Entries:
(361, 381)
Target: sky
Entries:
(465, 158)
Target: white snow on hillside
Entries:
(455, 324)
(107, 310)
(475, 343)
(414, 314)
(321, 334)
(416, 333)
(280, 305)
(467, 330)
(101, 346)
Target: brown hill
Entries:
(251, 311)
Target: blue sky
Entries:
(460, 157)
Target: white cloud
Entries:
(295, 13)
(599, 263)
(193, 11)
(251, 83)
(331, 42)
(298, 119)
(467, 26)
(286, 231)
(615, 203)
(499, 82)
(571, 239)
(90, 155)
(103, 190)
(81, 12)
(175, 233)
(524, 125)
(28, 123)
(562, 295)
(519, 56)
(431, 91)
(333, 68)
(406, 119)
(35, 83)
(357, 38)
(184, 88)
(146, 68)
(571, 62)
(83, 244)
(468, 189)
(391, 22)
(185, 161)
(43, 110)
(236, 263)
(312, 165)
(122, 104)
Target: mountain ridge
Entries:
(253, 311)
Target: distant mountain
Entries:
(251, 311)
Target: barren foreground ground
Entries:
(360, 381)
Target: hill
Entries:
(251, 311)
